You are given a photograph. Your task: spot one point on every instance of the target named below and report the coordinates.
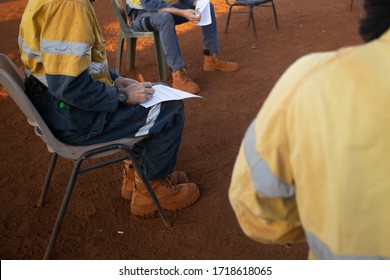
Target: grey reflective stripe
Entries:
(76, 49)
(150, 120)
(264, 181)
(322, 252)
(65, 47)
(28, 51)
(97, 68)
(42, 78)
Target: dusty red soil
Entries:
(214, 128)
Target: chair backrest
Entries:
(120, 12)
(13, 81)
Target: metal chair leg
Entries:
(161, 61)
(275, 16)
(131, 45)
(119, 52)
(63, 208)
(251, 17)
(156, 202)
(360, 3)
(78, 170)
(228, 19)
(49, 174)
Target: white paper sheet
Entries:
(165, 93)
(203, 7)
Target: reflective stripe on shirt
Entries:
(42, 78)
(28, 51)
(65, 47)
(322, 251)
(264, 181)
(62, 48)
(97, 67)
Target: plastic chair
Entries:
(131, 43)
(360, 3)
(13, 81)
(251, 4)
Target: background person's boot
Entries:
(213, 63)
(172, 197)
(128, 184)
(182, 81)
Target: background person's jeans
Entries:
(164, 23)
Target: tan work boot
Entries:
(213, 63)
(182, 81)
(172, 197)
(128, 184)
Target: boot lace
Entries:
(169, 184)
(183, 75)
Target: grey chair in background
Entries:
(251, 4)
(13, 81)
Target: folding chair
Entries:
(360, 3)
(131, 43)
(13, 81)
(251, 4)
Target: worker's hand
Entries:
(122, 82)
(139, 93)
(192, 15)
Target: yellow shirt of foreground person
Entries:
(315, 163)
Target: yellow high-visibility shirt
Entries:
(316, 160)
(62, 37)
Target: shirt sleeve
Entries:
(84, 92)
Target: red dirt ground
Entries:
(214, 128)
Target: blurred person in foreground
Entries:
(314, 165)
(84, 102)
(163, 16)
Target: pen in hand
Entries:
(142, 80)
